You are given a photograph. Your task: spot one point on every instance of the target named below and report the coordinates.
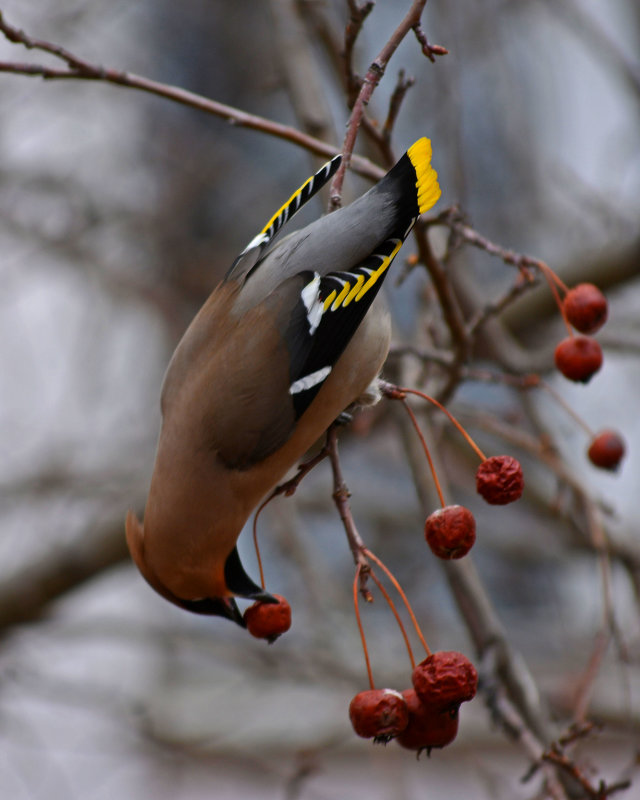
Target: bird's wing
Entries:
(250, 257)
(288, 326)
(305, 325)
(324, 312)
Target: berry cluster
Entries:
(578, 358)
(424, 716)
(585, 308)
(450, 531)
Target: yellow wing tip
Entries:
(427, 178)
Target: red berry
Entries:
(268, 620)
(499, 480)
(444, 680)
(606, 450)
(585, 307)
(427, 727)
(450, 531)
(578, 358)
(378, 714)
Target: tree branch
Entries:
(371, 80)
(79, 69)
(26, 595)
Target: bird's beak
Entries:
(214, 606)
(240, 583)
(236, 579)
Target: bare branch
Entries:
(341, 496)
(460, 340)
(301, 75)
(371, 80)
(429, 50)
(352, 30)
(27, 594)
(79, 69)
(478, 613)
(399, 93)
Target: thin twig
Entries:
(403, 85)
(358, 14)
(452, 218)
(357, 583)
(493, 309)
(287, 488)
(429, 50)
(79, 69)
(341, 496)
(602, 791)
(402, 594)
(394, 610)
(427, 453)
(453, 317)
(371, 80)
(512, 723)
(399, 393)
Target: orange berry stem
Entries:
(255, 539)
(400, 591)
(562, 402)
(288, 488)
(552, 279)
(393, 608)
(426, 451)
(470, 441)
(356, 583)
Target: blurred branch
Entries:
(510, 690)
(453, 219)
(358, 14)
(580, 22)
(301, 74)
(403, 85)
(26, 595)
(80, 69)
(516, 729)
(461, 342)
(56, 478)
(484, 626)
(411, 21)
(157, 292)
(614, 266)
(597, 539)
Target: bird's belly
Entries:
(351, 376)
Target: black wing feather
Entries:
(317, 335)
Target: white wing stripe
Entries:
(311, 298)
(309, 381)
(261, 238)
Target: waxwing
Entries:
(291, 337)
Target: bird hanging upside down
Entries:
(289, 339)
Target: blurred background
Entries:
(120, 211)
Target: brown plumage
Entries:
(291, 337)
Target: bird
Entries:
(294, 334)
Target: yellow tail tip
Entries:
(426, 176)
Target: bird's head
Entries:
(236, 580)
